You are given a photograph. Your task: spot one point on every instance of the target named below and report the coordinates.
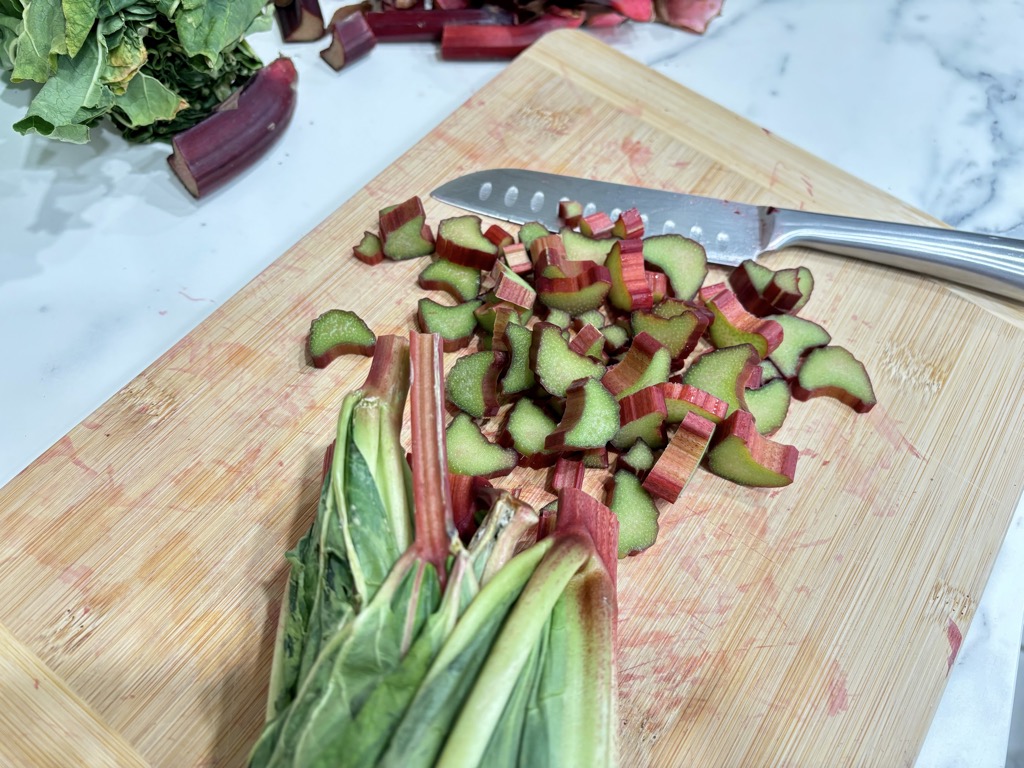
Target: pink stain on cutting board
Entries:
(838, 696)
(955, 638)
(75, 573)
(888, 428)
(65, 449)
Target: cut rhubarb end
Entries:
(568, 473)
(511, 289)
(590, 420)
(734, 325)
(744, 456)
(388, 377)
(351, 40)
(578, 509)
(629, 289)
(555, 365)
(519, 377)
(834, 372)
(799, 337)
(681, 399)
(570, 212)
(221, 146)
(677, 463)
(498, 235)
(459, 282)
(769, 405)
(597, 225)
(460, 239)
(679, 334)
(517, 258)
(646, 362)
(579, 247)
(470, 453)
(638, 459)
(339, 332)
(766, 292)
(636, 511)
(588, 341)
(629, 225)
(526, 428)
(455, 325)
(300, 21)
(577, 294)
(642, 417)
(369, 249)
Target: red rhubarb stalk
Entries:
(466, 42)
(300, 21)
(417, 25)
(351, 39)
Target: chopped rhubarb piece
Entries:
(766, 292)
(489, 307)
(503, 316)
(679, 334)
(526, 428)
(579, 247)
(636, 10)
(638, 459)
(683, 261)
(646, 362)
(419, 25)
(568, 473)
(465, 42)
(681, 399)
(799, 336)
(591, 317)
(455, 325)
(555, 365)
(834, 372)
(740, 454)
(339, 332)
(770, 371)
(517, 258)
(548, 251)
(460, 239)
(530, 231)
(597, 225)
(692, 15)
(511, 289)
(470, 453)
(558, 317)
(300, 21)
(472, 384)
(596, 458)
(734, 325)
(588, 341)
(236, 134)
(519, 377)
(498, 235)
(577, 294)
(351, 40)
(616, 338)
(724, 373)
(404, 232)
(708, 292)
(629, 225)
(369, 249)
(769, 404)
(748, 281)
(677, 463)
(642, 417)
(629, 288)
(590, 420)
(459, 282)
(658, 283)
(637, 513)
(570, 212)
(604, 19)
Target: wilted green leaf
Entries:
(79, 16)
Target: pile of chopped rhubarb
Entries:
(602, 349)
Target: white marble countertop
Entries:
(105, 261)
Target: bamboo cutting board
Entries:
(142, 555)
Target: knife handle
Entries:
(990, 263)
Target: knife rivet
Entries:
(614, 213)
(511, 195)
(696, 231)
(668, 226)
(537, 201)
(722, 237)
(589, 208)
(485, 190)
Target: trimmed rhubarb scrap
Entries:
(472, 383)
(597, 225)
(300, 21)
(734, 325)
(629, 289)
(764, 291)
(369, 249)
(724, 373)
(455, 324)
(681, 457)
(511, 289)
(403, 230)
(637, 513)
(590, 420)
(339, 332)
(461, 239)
(646, 362)
(681, 399)
(741, 454)
(497, 234)
(236, 134)
(555, 365)
(588, 341)
(642, 416)
(351, 40)
(834, 372)
(684, 262)
(470, 453)
(629, 225)
(568, 473)
(570, 212)
(468, 42)
(799, 336)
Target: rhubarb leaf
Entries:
(147, 100)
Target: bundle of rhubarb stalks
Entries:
(601, 349)
(405, 641)
(472, 29)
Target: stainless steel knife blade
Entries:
(731, 232)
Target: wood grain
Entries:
(142, 557)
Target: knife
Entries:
(731, 232)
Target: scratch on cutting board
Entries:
(838, 695)
(888, 428)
